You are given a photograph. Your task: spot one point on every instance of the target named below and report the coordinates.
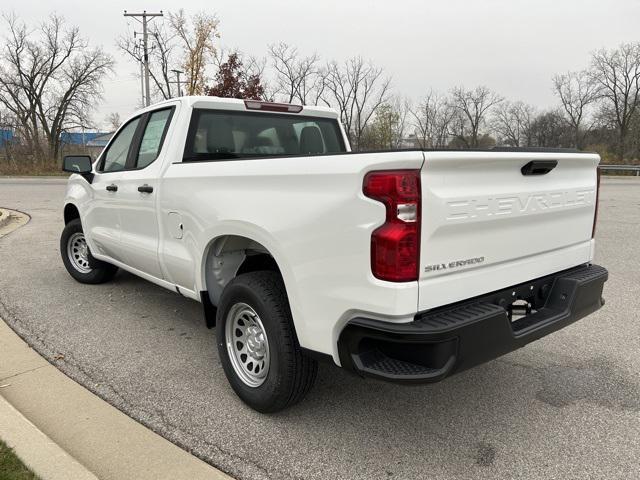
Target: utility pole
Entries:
(142, 84)
(178, 72)
(145, 47)
(137, 49)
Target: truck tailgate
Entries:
(486, 225)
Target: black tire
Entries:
(291, 374)
(96, 271)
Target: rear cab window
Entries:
(223, 134)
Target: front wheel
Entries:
(257, 344)
(77, 257)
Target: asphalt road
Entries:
(565, 407)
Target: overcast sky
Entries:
(512, 46)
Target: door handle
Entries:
(145, 188)
(539, 167)
(112, 188)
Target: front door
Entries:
(138, 193)
(101, 221)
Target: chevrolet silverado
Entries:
(407, 266)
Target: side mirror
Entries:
(80, 164)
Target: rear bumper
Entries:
(447, 340)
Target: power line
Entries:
(145, 20)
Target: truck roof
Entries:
(240, 105)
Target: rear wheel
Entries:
(77, 257)
(257, 344)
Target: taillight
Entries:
(395, 246)
(595, 213)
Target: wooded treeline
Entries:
(51, 80)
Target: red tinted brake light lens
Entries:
(272, 107)
(595, 213)
(395, 245)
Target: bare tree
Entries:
(617, 76)
(297, 78)
(512, 122)
(197, 36)
(255, 67)
(162, 51)
(356, 89)
(431, 120)
(387, 128)
(472, 106)
(402, 107)
(161, 57)
(576, 91)
(251, 65)
(50, 80)
(113, 121)
(550, 129)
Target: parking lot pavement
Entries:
(567, 406)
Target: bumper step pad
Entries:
(374, 361)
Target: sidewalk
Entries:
(61, 430)
(80, 436)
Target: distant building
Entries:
(410, 141)
(82, 138)
(101, 140)
(6, 136)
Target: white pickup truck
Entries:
(406, 266)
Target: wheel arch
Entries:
(230, 255)
(71, 212)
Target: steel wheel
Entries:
(247, 345)
(78, 252)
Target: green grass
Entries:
(11, 468)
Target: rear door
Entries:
(489, 224)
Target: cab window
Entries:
(115, 158)
(152, 138)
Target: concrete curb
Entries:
(37, 451)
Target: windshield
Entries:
(217, 134)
